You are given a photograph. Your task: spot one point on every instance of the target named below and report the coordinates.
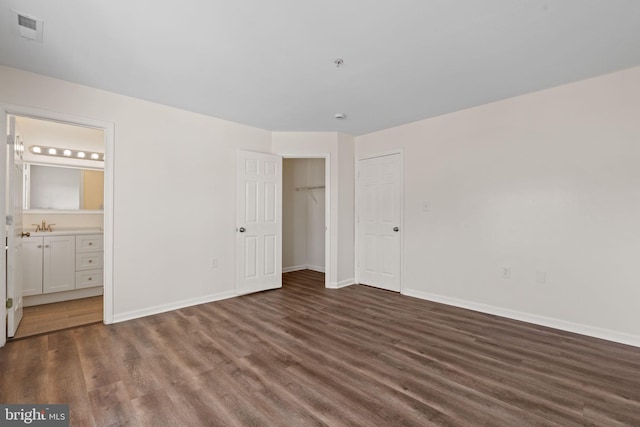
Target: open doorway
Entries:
(59, 255)
(79, 239)
(304, 215)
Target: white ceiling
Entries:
(270, 64)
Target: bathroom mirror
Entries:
(61, 188)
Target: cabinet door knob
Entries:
(39, 246)
(90, 261)
(90, 243)
(46, 246)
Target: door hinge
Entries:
(9, 302)
(9, 219)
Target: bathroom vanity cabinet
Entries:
(61, 262)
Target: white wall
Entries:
(546, 182)
(303, 233)
(340, 149)
(63, 220)
(60, 135)
(315, 169)
(174, 198)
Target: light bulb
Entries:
(67, 152)
(53, 151)
(81, 154)
(36, 150)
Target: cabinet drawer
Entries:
(89, 261)
(88, 279)
(89, 243)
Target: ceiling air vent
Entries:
(26, 26)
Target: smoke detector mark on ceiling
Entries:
(26, 26)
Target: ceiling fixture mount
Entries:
(338, 62)
(340, 116)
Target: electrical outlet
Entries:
(505, 272)
(214, 263)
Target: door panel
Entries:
(32, 265)
(379, 212)
(14, 229)
(259, 222)
(59, 260)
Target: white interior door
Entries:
(14, 228)
(258, 222)
(378, 222)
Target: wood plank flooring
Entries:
(308, 356)
(44, 318)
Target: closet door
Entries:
(258, 222)
(378, 222)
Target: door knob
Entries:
(242, 229)
(27, 234)
(396, 229)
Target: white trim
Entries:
(563, 325)
(399, 152)
(327, 209)
(343, 283)
(294, 268)
(163, 308)
(317, 268)
(32, 300)
(109, 145)
(3, 190)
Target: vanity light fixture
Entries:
(66, 152)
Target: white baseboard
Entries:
(135, 314)
(317, 268)
(294, 268)
(605, 334)
(32, 300)
(342, 283)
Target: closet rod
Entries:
(317, 187)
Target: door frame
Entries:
(399, 152)
(327, 206)
(109, 144)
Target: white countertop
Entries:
(65, 232)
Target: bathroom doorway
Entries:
(72, 285)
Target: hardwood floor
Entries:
(305, 355)
(45, 318)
